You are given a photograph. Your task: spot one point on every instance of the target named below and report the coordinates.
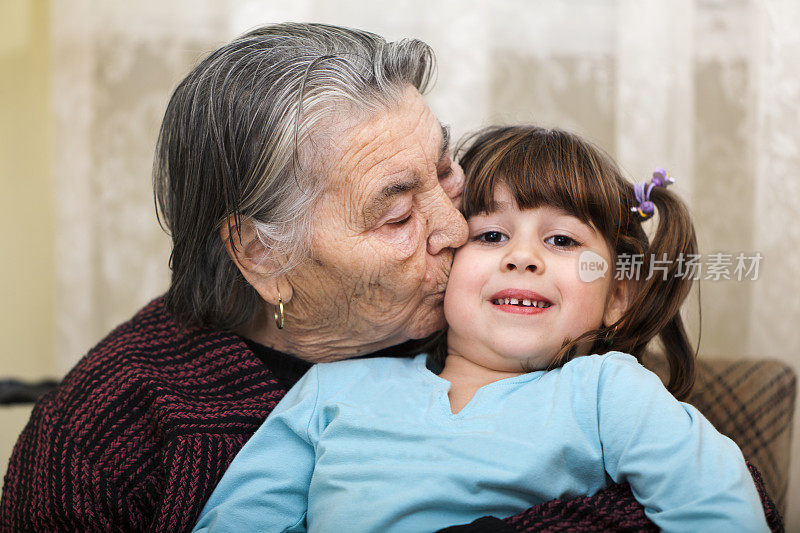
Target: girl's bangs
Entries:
(543, 168)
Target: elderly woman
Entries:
(308, 190)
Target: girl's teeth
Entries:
(523, 303)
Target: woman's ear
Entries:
(618, 300)
(257, 263)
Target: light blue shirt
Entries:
(372, 445)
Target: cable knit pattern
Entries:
(611, 509)
(141, 430)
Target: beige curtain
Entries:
(709, 89)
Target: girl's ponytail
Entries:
(661, 288)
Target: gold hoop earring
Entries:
(278, 312)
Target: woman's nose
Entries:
(448, 229)
(522, 258)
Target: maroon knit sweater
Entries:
(138, 434)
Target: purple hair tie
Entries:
(646, 208)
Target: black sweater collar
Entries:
(285, 366)
(291, 368)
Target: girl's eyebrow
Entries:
(566, 214)
(500, 206)
(494, 208)
(497, 207)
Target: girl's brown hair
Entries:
(556, 168)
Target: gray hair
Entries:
(229, 149)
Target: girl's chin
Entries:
(525, 361)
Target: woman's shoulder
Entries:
(154, 346)
(141, 405)
(151, 366)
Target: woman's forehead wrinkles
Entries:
(385, 156)
(388, 135)
(367, 152)
(379, 159)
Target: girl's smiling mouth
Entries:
(520, 301)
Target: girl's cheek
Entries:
(568, 270)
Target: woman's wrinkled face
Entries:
(385, 230)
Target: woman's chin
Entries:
(426, 323)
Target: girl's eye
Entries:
(491, 237)
(562, 241)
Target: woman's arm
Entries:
(611, 510)
(266, 486)
(32, 498)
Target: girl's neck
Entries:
(463, 371)
(466, 377)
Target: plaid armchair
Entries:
(752, 402)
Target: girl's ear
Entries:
(618, 300)
(256, 261)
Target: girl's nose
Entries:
(523, 258)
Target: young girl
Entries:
(512, 411)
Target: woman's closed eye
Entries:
(562, 241)
(399, 221)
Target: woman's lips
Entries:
(520, 301)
